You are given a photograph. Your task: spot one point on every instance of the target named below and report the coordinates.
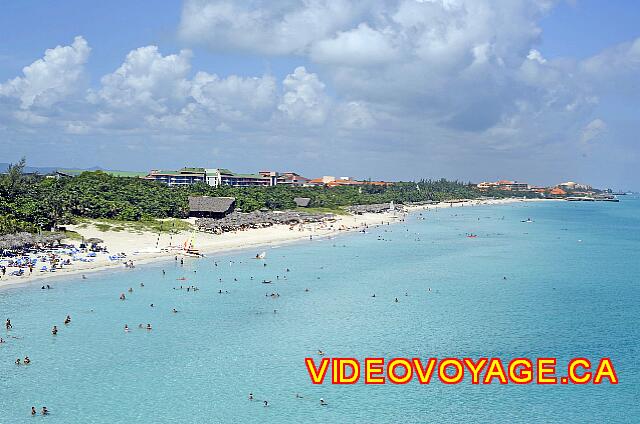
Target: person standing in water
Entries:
(54, 330)
(8, 324)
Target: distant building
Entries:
(221, 176)
(293, 179)
(182, 177)
(557, 191)
(573, 186)
(211, 207)
(504, 185)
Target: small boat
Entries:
(266, 281)
(527, 220)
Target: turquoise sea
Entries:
(572, 289)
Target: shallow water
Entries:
(563, 297)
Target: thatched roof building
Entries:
(302, 202)
(211, 207)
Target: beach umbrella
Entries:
(94, 240)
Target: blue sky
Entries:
(538, 90)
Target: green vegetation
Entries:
(32, 203)
(150, 225)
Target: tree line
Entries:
(32, 203)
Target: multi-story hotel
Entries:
(181, 177)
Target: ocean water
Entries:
(571, 290)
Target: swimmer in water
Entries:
(67, 320)
(322, 402)
(126, 328)
(45, 411)
(54, 330)
(266, 403)
(27, 361)
(148, 326)
(175, 311)
(130, 290)
(8, 324)
(321, 353)
(18, 362)
(33, 410)
(122, 297)
(141, 284)
(250, 396)
(298, 396)
(396, 300)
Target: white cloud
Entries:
(50, 79)
(593, 130)
(536, 56)
(235, 97)
(147, 79)
(304, 98)
(361, 46)
(264, 26)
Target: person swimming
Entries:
(67, 320)
(26, 361)
(126, 328)
(130, 290)
(18, 362)
(250, 396)
(323, 403)
(33, 410)
(148, 326)
(45, 411)
(54, 330)
(321, 353)
(141, 284)
(397, 300)
(175, 311)
(8, 324)
(122, 297)
(266, 403)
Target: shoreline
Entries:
(226, 243)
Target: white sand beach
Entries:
(143, 247)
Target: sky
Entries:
(539, 91)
